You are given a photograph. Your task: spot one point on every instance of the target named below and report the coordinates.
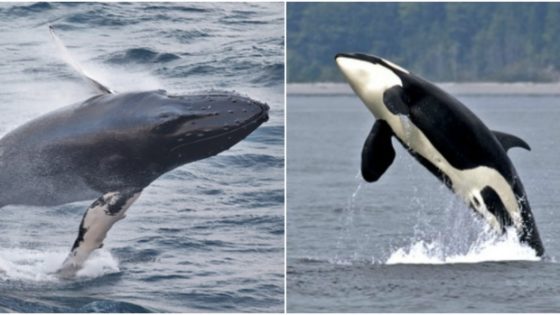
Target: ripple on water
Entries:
(141, 56)
(108, 306)
(249, 160)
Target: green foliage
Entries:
(440, 41)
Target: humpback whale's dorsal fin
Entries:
(76, 66)
(510, 141)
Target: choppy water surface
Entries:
(205, 237)
(406, 243)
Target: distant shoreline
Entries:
(470, 88)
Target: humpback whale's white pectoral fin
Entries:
(510, 141)
(97, 221)
(76, 66)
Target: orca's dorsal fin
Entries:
(378, 152)
(510, 141)
(76, 66)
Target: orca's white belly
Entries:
(466, 183)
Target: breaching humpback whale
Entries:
(111, 147)
(445, 137)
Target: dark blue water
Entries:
(208, 236)
(406, 243)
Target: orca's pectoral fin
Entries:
(378, 152)
(510, 141)
(76, 66)
(97, 221)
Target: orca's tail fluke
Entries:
(75, 65)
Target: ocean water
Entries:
(208, 236)
(406, 243)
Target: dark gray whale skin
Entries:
(116, 142)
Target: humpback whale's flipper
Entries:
(510, 141)
(378, 152)
(68, 58)
(98, 219)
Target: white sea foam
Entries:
(40, 265)
(488, 247)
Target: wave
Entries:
(188, 36)
(259, 199)
(32, 305)
(100, 18)
(272, 74)
(249, 160)
(25, 10)
(141, 55)
(272, 224)
(177, 8)
(108, 306)
(272, 135)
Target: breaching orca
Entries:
(111, 147)
(445, 137)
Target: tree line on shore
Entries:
(458, 42)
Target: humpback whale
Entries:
(444, 136)
(112, 146)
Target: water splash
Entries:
(40, 265)
(502, 248)
(459, 237)
(348, 225)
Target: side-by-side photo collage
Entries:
(279, 157)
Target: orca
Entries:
(444, 136)
(111, 147)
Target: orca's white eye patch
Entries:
(365, 75)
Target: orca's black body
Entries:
(445, 137)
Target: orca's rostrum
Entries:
(445, 137)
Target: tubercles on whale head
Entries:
(370, 77)
(197, 114)
(176, 130)
(199, 126)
